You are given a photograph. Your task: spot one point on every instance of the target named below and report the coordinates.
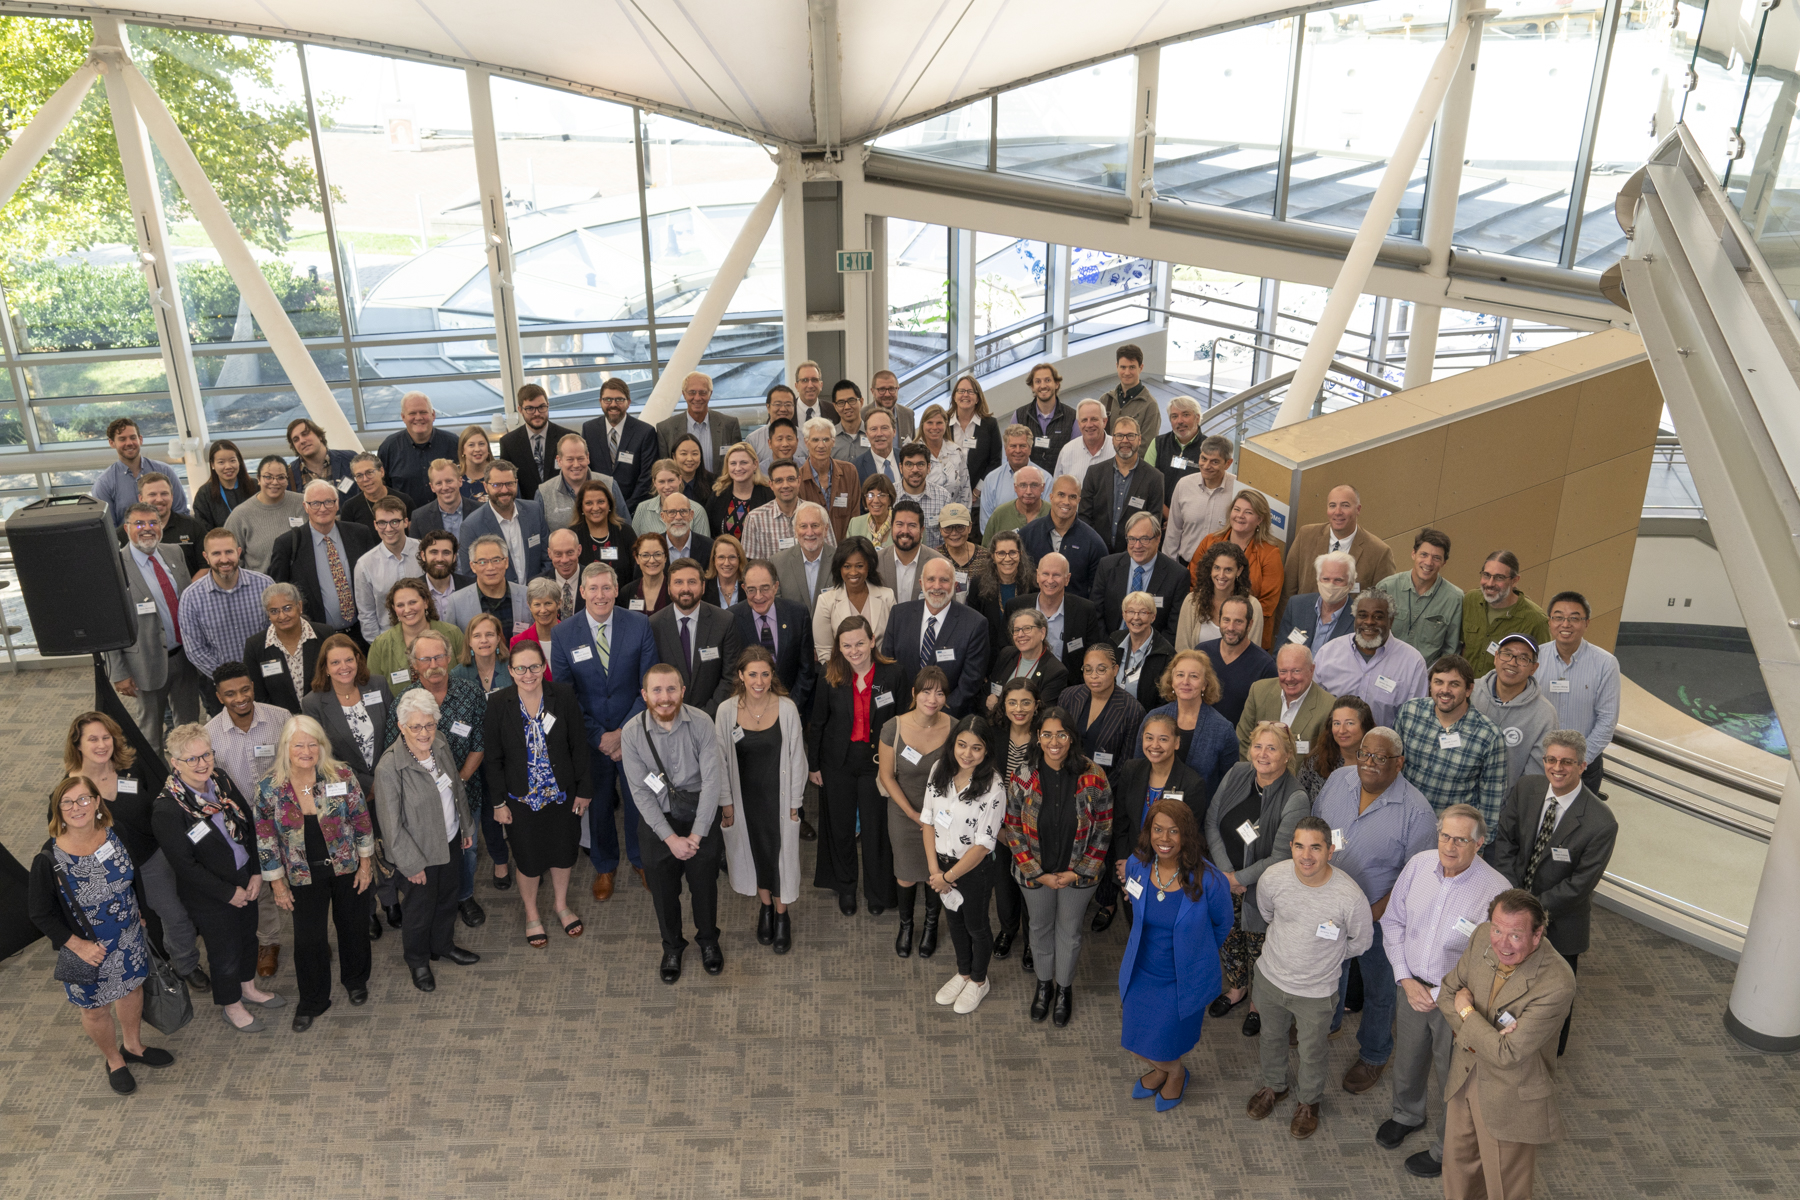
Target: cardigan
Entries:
(410, 811)
(1200, 930)
(738, 858)
(506, 765)
(281, 828)
(1284, 802)
(1093, 826)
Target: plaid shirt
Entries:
(932, 502)
(1471, 772)
(215, 623)
(766, 528)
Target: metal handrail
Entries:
(1649, 749)
(1675, 904)
(1086, 308)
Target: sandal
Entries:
(538, 940)
(572, 926)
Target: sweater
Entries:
(259, 525)
(1296, 958)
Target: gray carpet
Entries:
(829, 1072)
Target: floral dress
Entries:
(102, 883)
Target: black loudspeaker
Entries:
(67, 555)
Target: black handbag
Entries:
(684, 805)
(167, 1005)
(70, 966)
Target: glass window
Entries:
(86, 422)
(1011, 294)
(960, 136)
(1764, 183)
(1218, 116)
(233, 411)
(918, 304)
(1107, 292)
(1075, 128)
(1208, 351)
(1360, 72)
(1722, 71)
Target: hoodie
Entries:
(1522, 721)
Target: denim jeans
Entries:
(1375, 1035)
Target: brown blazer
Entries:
(845, 483)
(1516, 1072)
(1374, 561)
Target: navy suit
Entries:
(961, 630)
(638, 443)
(609, 698)
(699, 549)
(532, 528)
(709, 680)
(1302, 613)
(866, 467)
(429, 518)
(795, 664)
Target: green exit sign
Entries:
(851, 262)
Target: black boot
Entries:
(1040, 1002)
(765, 925)
(934, 908)
(1065, 1003)
(784, 933)
(1025, 959)
(909, 902)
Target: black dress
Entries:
(759, 767)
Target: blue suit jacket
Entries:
(1212, 753)
(1200, 929)
(608, 698)
(963, 631)
(637, 439)
(1302, 613)
(532, 525)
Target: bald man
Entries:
(934, 632)
(716, 432)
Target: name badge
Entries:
(1356, 587)
(609, 554)
(911, 755)
(962, 579)
(627, 457)
(548, 722)
(1559, 853)
(459, 728)
(1134, 888)
(1134, 502)
(1449, 741)
(397, 676)
(371, 697)
(737, 734)
(784, 543)
(1385, 684)
(1493, 648)
(1104, 759)
(1337, 839)
(267, 751)
(582, 653)
(337, 789)
(946, 655)
(534, 539)
(1042, 443)
(1159, 601)
(1506, 1020)
(654, 782)
(127, 787)
(1247, 831)
(344, 485)
(636, 606)
(1174, 796)
(146, 608)
(709, 653)
(994, 689)
(198, 830)
(1073, 644)
(940, 819)
(1302, 747)
(1178, 463)
(1297, 637)
(1329, 931)
(104, 852)
(520, 627)
(296, 522)
(842, 500)
(1465, 927)
(1558, 685)
(271, 668)
(884, 699)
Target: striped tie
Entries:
(602, 644)
(928, 647)
(1540, 847)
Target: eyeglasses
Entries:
(1376, 760)
(1515, 657)
(540, 406)
(196, 760)
(524, 668)
(280, 610)
(145, 524)
(1453, 840)
(320, 503)
(433, 661)
(1053, 735)
(1143, 540)
(489, 561)
(1561, 762)
(394, 524)
(1567, 619)
(76, 803)
(420, 729)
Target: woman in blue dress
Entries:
(1181, 915)
(85, 898)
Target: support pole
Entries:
(790, 177)
(499, 245)
(1309, 377)
(284, 341)
(705, 321)
(47, 123)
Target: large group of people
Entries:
(1064, 665)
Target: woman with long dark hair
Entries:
(690, 464)
(1222, 572)
(1350, 718)
(227, 485)
(1136, 785)
(911, 745)
(965, 805)
(764, 747)
(649, 592)
(1250, 527)
(603, 535)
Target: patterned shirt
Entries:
(461, 714)
(296, 662)
(932, 502)
(1464, 764)
(961, 821)
(216, 623)
(949, 471)
(768, 530)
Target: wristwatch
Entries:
(1465, 1010)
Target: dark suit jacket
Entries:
(1048, 680)
(356, 507)
(206, 868)
(278, 689)
(515, 448)
(1565, 889)
(710, 680)
(1131, 788)
(185, 534)
(722, 428)
(292, 562)
(699, 549)
(506, 765)
(324, 708)
(483, 521)
(429, 517)
(608, 698)
(795, 664)
(637, 440)
(1143, 494)
(833, 716)
(718, 503)
(1162, 649)
(1081, 626)
(962, 631)
(1062, 428)
(1168, 582)
(1302, 613)
(986, 453)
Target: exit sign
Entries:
(850, 262)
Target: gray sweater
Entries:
(258, 525)
(1522, 722)
(1296, 958)
(690, 751)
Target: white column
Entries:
(878, 299)
(1421, 346)
(791, 177)
(498, 242)
(962, 337)
(858, 308)
(31, 143)
(152, 231)
(1060, 287)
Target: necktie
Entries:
(604, 645)
(568, 597)
(537, 452)
(340, 579)
(767, 623)
(1540, 847)
(887, 468)
(613, 434)
(687, 646)
(1137, 578)
(928, 646)
(168, 591)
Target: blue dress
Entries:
(103, 887)
(1152, 1025)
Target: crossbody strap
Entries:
(68, 892)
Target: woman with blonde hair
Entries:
(316, 842)
(1206, 741)
(484, 654)
(725, 572)
(1250, 527)
(740, 489)
(474, 455)
(949, 465)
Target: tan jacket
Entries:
(1374, 561)
(1264, 704)
(1516, 1072)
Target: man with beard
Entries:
(1512, 699)
(491, 592)
(1177, 453)
(1372, 664)
(1497, 608)
(437, 560)
(1026, 506)
(535, 445)
(117, 485)
(1072, 622)
(221, 609)
(915, 465)
(697, 638)
(519, 522)
(154, 671)
(884, 388)
(1313, 618)
(678, 527)
(183, 532)
(677, 780)
(1051, 422)
(1060, 531)
(899, 562)
(1454, 755)
(620, 445)
(1427, 607)
(1237, 661)
(1115, 490)
(804, 567)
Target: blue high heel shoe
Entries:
(1139, 1091)
(1164, 1105)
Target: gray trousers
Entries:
(181, 687)
(1311, 1017)
(1423, 1043)
(178, 927)
(1054, 916)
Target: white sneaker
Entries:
(972, 996)
(950, 991)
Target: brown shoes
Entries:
(268, 959)
(603, 886)
(1361, 1077)
(1305, 1122)
(642, 878)
(1263, 1103)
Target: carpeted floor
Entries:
(575, 1071)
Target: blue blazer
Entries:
(1212, 753)
(609, 698)
(531, 524)
(1302, 613)
(1200, 929)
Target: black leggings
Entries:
(849, 794)
(969, 929)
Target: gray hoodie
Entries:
(1523, 722)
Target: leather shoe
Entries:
(642, 878)
(1103, 919)
(1025, 959)
(1305, 1122)
(1252, 1023)
(1064, 1008)
(422, 979)
(359, 996)
(1392, 1133)
(875, 910)
(671, 966)
(394, 915)
(929, 934)
(1221, 1005)
(1040, 1000)
(712, 959)
(1362, 1076)
(374, 928)
(1424, 1166)
(1264, 1102)
(268, 960)
(473, 914)
(603, 886)
(302, 1022)
(153, 1056)
(807, 832)
(461, 957)
(847, 903)
(784, 933)
(121, 1081)
(198, 980)
(765, 925)
(1002, 944)
(502, 882)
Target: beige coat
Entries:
(738, 859)
(1374, 561)
(1264, 704)
(834, 606)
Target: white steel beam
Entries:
(498, 241)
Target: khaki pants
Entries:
(268, 917)
(1477, 1165)
(1311, 1017)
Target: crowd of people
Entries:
(1062, 665)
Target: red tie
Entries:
(168, 590)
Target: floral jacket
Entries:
(1093, 826)
(281, 828)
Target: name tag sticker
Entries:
(582, 653)
(1103, 758)
(1337, 839)
(1297, 637)
(737, 734)
(104, 852)
(1385, 684)
(636, 606)
(654, 782)
(337, 789)
(127, 787)
(271, 668)
(1558, 685)
(1042, 443)
(784, 543)
(1302, 747)
(1247, 831)
(267, 751)
(344, 485)
(146, 608)
(1134, 502)
(627, 457)
(549, 722)
(609, 554)
(1449, 741)
(1159, 601)
(842, 500)
(1174, 796)
(1178, 463)
(296, 522)
(1330, 932)
(994, 689)
(940, 819)
(911, 754)
(371, 697)
(393, 676)
(198, 830)
(709, 653)
(946, 655)
(962, 579)
(1493, 647)
(1074, 644)
(1559, 853)
(884, 699)
(1356, 587)
(534, 539)
(1465, 927)
(1134, 888)
(460, 728)
(1506, 1020)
